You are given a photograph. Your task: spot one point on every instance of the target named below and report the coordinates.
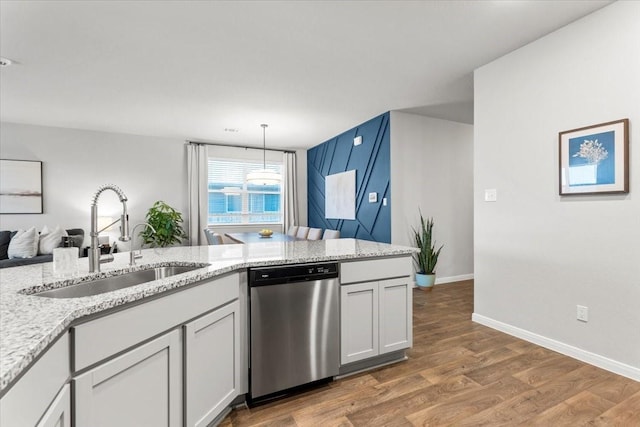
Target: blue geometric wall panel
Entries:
(371, 161)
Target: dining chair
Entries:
(314, 234)
(293, 230)
(213, 238)
(331, 234)
(302, 232)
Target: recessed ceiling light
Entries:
(4, 62)
(231, 130)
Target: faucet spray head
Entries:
(124, 228)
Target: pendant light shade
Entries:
(264, 176)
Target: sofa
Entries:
(76, 237)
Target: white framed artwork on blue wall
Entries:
(340, 195)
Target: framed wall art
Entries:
(595, 159)
(340, 195)
(20, 187)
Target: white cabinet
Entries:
(190, 374)
(139, 388)
(396, 312)
(26, 402)
(359, 322)
(59, 413)
(101, 338)
(376, 318)
(212, 364)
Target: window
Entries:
(233, 201)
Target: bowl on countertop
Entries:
(265, 233)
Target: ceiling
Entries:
(310, 69)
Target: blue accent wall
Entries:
(371, 161)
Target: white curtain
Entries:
(290, 190)
(198, 194)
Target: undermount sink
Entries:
(113, 283)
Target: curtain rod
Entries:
(246, 147)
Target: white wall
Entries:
(432, 169)
(538, 255)
(77, 162)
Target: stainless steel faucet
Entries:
(133, 256)
(95, 257)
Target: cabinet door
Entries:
(359, 322)
(28, 399)
(395, 296)
(139, 388)
(59, 413)
(212, 358)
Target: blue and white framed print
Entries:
(595, 159)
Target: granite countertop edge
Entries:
(30, 324)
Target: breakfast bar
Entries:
(91, 341)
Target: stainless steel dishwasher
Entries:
(294, 327)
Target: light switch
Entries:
(357, 140)
(491, 195)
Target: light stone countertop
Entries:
(29, 324)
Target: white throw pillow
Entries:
(24, 244)
(50, 240)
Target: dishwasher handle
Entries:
(275, 275)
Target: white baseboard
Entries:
(566, 349)
(451, 279)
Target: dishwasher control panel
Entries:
(292, 273)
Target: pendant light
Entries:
(264, 176)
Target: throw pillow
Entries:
(51, 240)
(24, 244)
(5, 238)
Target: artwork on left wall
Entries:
(20, 187)
(595, 159)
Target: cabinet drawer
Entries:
(375, 269)
(111, 334)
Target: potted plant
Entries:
(427, 258)
(167, 223)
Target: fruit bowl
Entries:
(265, 233)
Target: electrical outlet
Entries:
(491, 195)
(582, 313)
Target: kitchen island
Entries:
(30, 325)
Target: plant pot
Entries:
(425, 281)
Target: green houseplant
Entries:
(167, 223)
(427, 258)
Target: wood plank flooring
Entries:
(464, 374)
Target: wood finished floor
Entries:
(464, 374)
